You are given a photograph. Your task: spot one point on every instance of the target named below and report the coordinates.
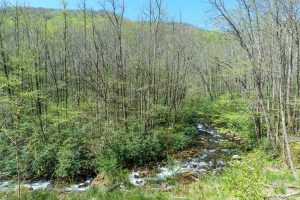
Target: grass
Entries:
(93, 194)
(280, 189)
(135, 194)
(29, 195)
(244, 180)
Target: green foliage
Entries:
(7, 156)
(160, 115)
(244, 180)
(67, 150)
(30, 195)
(39, 158)
(234, 113)
(188, 114)
(74, 157)
(109, 163)
(61, 152)
(231, 114)
(178, 141)
(266, 145)
(135, 147)
(119, 195)
(93, 193)
(280, 189)
(172, 140)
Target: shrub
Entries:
(40, 158)
(159, 115)
(109, 163)
(136, 148)
(172, 140)
(7, 156)
(74, 158)
(188, 115)
(178, 141)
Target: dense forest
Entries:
(88, 92)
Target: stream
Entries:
(205, 155)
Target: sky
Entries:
(195, 12)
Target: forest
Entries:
(96, 106)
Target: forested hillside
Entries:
(86, 92)
(78, 86)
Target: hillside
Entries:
(92, 100)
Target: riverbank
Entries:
(205, 154)
(256, 176)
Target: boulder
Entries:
(25, 188)
(221, 163)
(136, 179)
(144, 173)
(138, 182)
(3, 176)
(194, 165)
(83, 185)
(168, 188)
(190, 173)
(236, 157)
(102, 180)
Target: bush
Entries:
(109, 163)
(188, 115)
(172, 139)
(7, 156)
(40, 159)
(136, 148)
(74, 158)
(159, 115)
(178, 141)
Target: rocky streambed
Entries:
(205, 155)
(6, 185)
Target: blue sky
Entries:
(196, 12)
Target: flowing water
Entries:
(204, 156)
(46, 185)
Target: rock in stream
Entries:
(45, 185)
